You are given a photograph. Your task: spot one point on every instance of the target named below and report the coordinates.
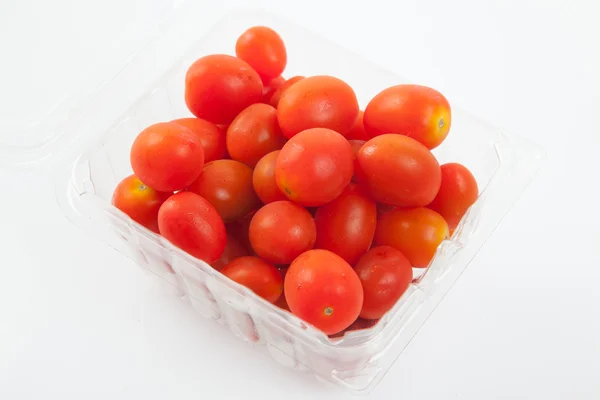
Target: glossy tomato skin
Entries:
(211, 136)
(385, 274)
(346, 225)
(257, 275)
(416, 232)
(263, 179)
(264, 50)
(191, 223)
(140, 202)
(276, 96)
(271, 87)
(323, 290)
(218, 87)
(317, 102)
(281, 231)
(254, 133)
(399, 171)
(167, 156)
(416, 111)
(314, 167)
(233, 249)
(227, 185)
(357, 132)
(457, 193)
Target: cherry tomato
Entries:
(218, 87)
(356, 145)
(233, 249)
(317, 102)
(419, 112)
(314, 167)
(212, 138)
(227, 185)
(416, 232)
(385, 274)
(271, 87)
(167, 156)
(263, 179)
(399, 171)
(139, 202)
(346, 225)
(457, 193)
(357, 132)
(274, 100)
(257, 275)
(254, 133)
(191, 223)
(323, 290)
(264, 50)
(281, 231)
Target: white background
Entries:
(77, 320)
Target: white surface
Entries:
(77, 320)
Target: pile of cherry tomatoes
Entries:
(286, 187)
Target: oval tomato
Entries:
(322, 289)
(218, 87)
(314, 167)
(254, 133)
(263, 179)
(191, 223)
(271, 87)
(346, 225)
(357, 132)
(281, 231)
(419, 112)
(317, 102)
(385, 274)
(257, 275)
(457, 193)
(276, 96)
(398, 170)
(212, 138)
(227, 185)
(167, 156)
(233, 249)
(264, 50)
(416, 232)
(140, 202)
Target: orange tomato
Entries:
(263, 179)
(257, 275)
(264, 50)
(211, 136)
(276, 96)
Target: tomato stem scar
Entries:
(441, 123)
(328, 311)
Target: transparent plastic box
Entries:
(85, 144)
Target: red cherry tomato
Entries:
(385, 274)
(191, 223)
(416, 232)
(357, 132)
(416, 111)
(139, 202)
(167, 156)
(263, 179)
(346, 225)
(323, 290)
(281, 231)
(457, 193)
(212, 138)
(274, 99)
(314, 167)
(254, 133)
(317, 102)
(398, 170)
(264, 50)
(218, 87)
(257, 275)
(233, 250)
(356, 145)
(271, 87)
(227, 185)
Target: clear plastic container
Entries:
(85, 142)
